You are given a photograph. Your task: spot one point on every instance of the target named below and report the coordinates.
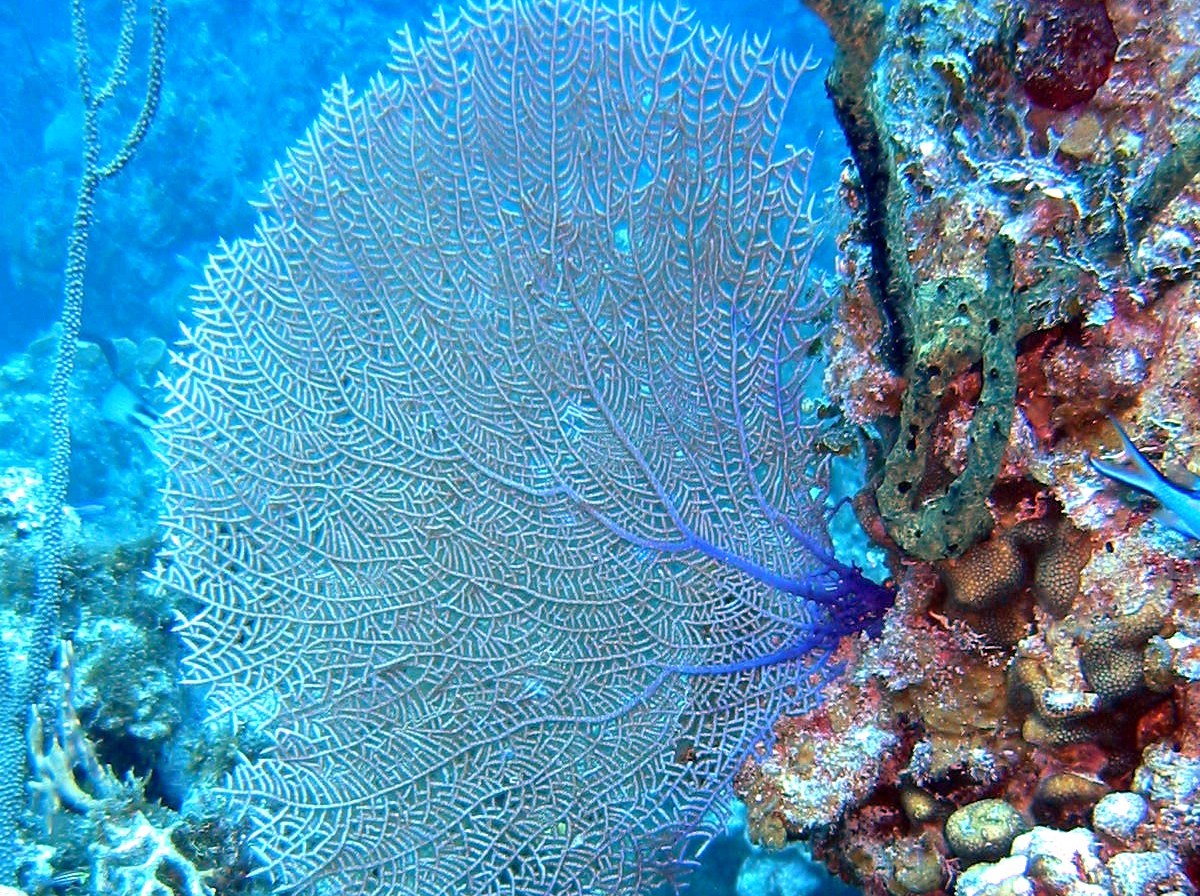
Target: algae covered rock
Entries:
(1119, 814)
(983, 831)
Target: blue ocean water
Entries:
(242, 82)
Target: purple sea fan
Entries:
(488, 468)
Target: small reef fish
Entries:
(123, 403)
(1180, 504)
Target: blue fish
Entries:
(1180, 508)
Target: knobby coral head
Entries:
(490, 470)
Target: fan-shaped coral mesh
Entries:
(489, 474)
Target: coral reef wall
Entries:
(1028, 721)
